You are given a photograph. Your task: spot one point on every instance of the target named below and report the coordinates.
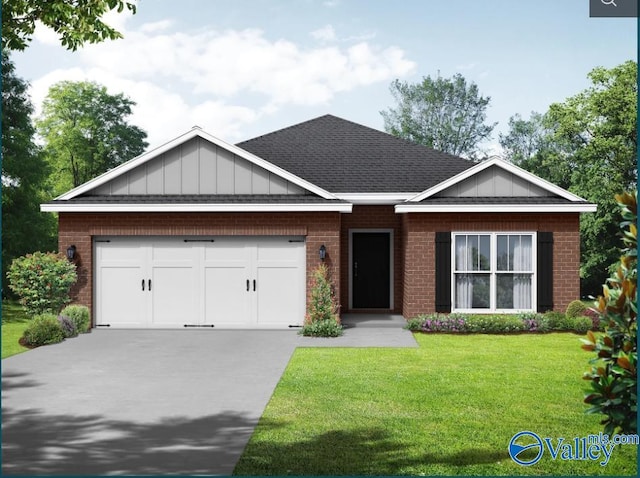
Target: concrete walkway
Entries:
(179, 402)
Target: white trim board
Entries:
(479, 208)
(73, 207)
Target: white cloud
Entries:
(325, 34)
(156, 26)
(222, 80)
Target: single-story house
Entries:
(200, 232)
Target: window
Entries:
(493, 272)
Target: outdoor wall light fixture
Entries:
(71, 252)
(323, 252)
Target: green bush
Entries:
(322, 328)
(415, 324)
(42, 281)
(494, 324)
(68, 327)
(79, 315)
(575, 309)
(558, 321)
(614, 369)
(581, 325)
(42, 330)
(322, 318)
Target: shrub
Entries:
(322, 317)
(42, 330)
(575, 309)
(494, 324)
(534, 322)
(581, 325)
(322, 328)
(596, 320)
(414, 324)
(42, 281)
(79, 315)
(614, 374)
(67, 326)
(558, 321)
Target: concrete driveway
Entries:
(180, 402)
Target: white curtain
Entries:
(522, 263)
(464, 282)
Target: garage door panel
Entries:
(226, 297)
(165, 251)
(201, 281)
(226, 250)
(174, 296)
(120, 302)
(278, 296)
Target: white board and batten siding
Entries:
(197, 167)
(225, 282)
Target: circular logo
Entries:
(523, 446)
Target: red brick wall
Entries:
(372, 217)
(419, 246)
(79, 229)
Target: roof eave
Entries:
(496, 208)
(60, 206)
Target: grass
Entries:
(449, 407)
(14, 321)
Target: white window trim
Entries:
(493, 272)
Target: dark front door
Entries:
(370, 267)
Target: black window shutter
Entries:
(545, 271)
(443, 272)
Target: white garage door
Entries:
(227, 282)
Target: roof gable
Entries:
(196, 163)
(495, 178)
(348, 158)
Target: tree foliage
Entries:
(75, 21)
(586, 144)
(86, 133)
(445, 114)
(24, 173)
(322, 319)
(614, 371)
(42, 281)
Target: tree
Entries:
(587, 144)
(76, 21)
(24, 173)
(531, 144)
(614, 371)
(445, 114)
(85, 132)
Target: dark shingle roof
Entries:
(344, 157)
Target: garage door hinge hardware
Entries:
(196, 325)
(296, 240)
(103, 325)
(105, 240)
(199, 240)
(295, 326)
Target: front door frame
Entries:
(391, 268)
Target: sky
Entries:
(243, 68)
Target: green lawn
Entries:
(449, 407)
(14, 321)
